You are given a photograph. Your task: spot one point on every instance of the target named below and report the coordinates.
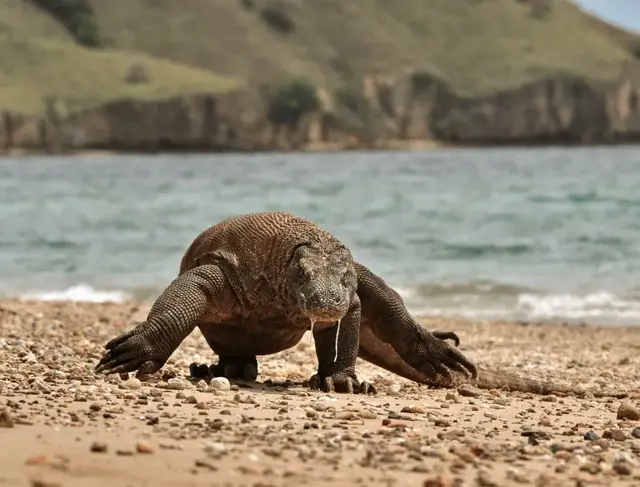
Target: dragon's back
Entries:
(255, 240)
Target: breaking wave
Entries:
(502, 301)
(479, 300)
(79, 293)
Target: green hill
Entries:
(39, 58)
(476, 46)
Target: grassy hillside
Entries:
(38, 59)
(477, 46)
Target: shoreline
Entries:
(70, 427)
(390, 145)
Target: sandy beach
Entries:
(61, 425)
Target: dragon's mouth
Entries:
(320, 311)
(322, 316)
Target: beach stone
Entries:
(132, 384)
(220, 384)
(628, 411)
(622, 468)
(591, 436)
(603, 443)
(393, 390)
(439, 481)
(98, 447)
(177, 384)
(144, 447)
(636, 433)
(468, 391)
(616, 435)
(453, 397)
(6, 420)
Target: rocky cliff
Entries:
(385, 110)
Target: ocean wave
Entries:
(577, 306)
(485, 300)
(509, 302)
(79, 293)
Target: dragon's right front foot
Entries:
(243, 368)
(446, 335)
(134, 350)
(430, 354)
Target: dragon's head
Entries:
(322, 282)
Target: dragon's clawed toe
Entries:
(340, 383)
(446, 335)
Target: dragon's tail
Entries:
(494, 379)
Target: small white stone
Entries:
(393, 390)
(214, 448)
(132, 384)
(220, 384)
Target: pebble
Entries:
(144, 447)
(206, 464)
(177, 384)
(132, 384)
(467, 391)
(622, 468)
(214, 449)
(220, 384)
(98, 447)
(615, 434)
(367, 415)
(345, 415)
(636, 433)
(6, 420)
(603, 443)
(44, 483)
(591, 436)
(628, 411)
(452, 396)
(393, 390)
(439, 481)
(413, 409)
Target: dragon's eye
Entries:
(305, 267)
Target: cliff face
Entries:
(562, 109)
(404, 107)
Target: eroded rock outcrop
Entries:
(407, 106)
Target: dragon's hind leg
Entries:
(244, 368)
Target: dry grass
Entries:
(43, 61)
(477, 46)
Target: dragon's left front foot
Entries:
(340, 382)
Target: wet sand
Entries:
(61, 425)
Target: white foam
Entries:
(575, 306)
(79, 293)
(597, 307)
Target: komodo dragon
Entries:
(255, 283)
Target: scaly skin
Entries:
(381, 343)
(255, 283)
